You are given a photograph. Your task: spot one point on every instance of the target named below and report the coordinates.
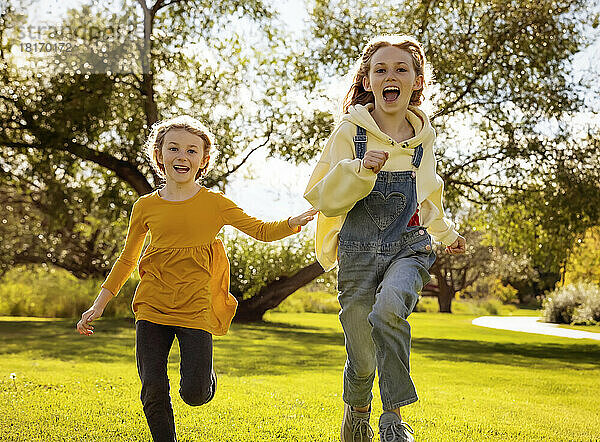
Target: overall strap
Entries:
(417, 156)
(360, 142)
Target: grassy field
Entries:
(281, 381)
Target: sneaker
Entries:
(393, 429)
(355, 426)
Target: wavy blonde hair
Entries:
(160, 129)
(357, 93)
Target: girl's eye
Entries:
(401, 69)
(191, 151)
(173, 149)
(380, 70)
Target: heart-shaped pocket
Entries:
(383, 210)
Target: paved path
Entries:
(530, 324)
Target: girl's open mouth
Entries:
(391, 93)
(181, 169)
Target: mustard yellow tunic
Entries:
(184, 271)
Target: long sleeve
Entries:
(440, 227)
(130, 255)
(432, 208)
(261, 230)
(339, 180)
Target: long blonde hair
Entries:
(160, 129)
(357, 93)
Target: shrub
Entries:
(489, 287)
(487, 306)
(255, 264)
(46, 291)
(577, 303)
(305, 301)
(505, 293)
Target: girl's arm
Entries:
(121, 270)
(301, 220)
(94, 312)
(432, 208)
(340, 180)
(127, 261)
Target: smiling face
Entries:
(392, 78)
(182, 156)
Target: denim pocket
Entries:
(383, 210)
(422, 245)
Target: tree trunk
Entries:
(253, 309)
(445, 293)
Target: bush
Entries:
(488, 306)
(583, 263)
(305, 301)
(255, 264)
(577, 303)
(489, 287)
(46, 291)
(505, 293)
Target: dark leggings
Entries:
(198, 380)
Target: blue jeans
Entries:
(377, 292)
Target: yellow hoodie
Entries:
(339, 181)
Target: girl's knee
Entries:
(196, 395)
(196, 398)
(392, 305)
(363, 369)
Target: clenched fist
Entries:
(375, 159)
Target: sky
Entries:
(271, 188)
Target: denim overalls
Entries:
(383, 265)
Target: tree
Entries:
(72, 135)
(71, 142)
(560, 205)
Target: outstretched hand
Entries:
(458, 247)
(84, 326)
(302, 219)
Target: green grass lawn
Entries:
(281, 381)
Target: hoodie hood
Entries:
(360, 115)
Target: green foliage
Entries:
(505, 293)
(309, 301)
(72, 162)
(489, 287)
(255, 264)
(545, 222)
(583, 263)
(485, 306)
(72, 135)
(46, 291)
(577, 303)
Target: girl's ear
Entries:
(366, 84)
(205, 161)
(159, 156)
(419, 80)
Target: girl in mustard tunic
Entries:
(184, 287)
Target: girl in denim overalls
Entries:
(380, 199)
